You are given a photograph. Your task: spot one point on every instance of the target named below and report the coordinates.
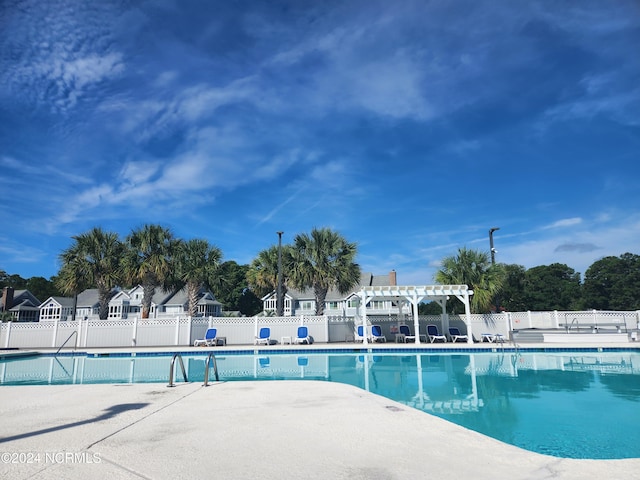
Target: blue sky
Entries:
(411, 127)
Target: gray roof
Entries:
(25, 305)
(367, 279)
(25, 297)
(62, 301)
(88, 298)
(182, 298)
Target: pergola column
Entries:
(416, 318)
(467, 315)
(363, 305)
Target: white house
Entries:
(127, 303)
(297, 302)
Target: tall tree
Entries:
(14, 281)
(92, 260)
(612, 283)
(149, 261)
(512, 296)
(552, 287)
(231, 284)
(474, 269)
(262, 275)
(196, 265)
(323, 260)
(42, 288)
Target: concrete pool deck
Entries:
(254, 430)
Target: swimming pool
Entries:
(569, 404)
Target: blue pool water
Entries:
(573, 404)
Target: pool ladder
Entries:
(211, 358)
(65, 342)
(172, 370)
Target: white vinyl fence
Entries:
(183, 331)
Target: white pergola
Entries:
(414, 295)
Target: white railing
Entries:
(183, 331)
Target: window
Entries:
(115, 311)
(377, 305)
(50, 312)
(270, 304)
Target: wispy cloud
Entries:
(278, 207)
(577, 247)
(566, 222)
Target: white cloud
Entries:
(567, 222)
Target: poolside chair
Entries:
(360, 334)
(406, 331)
(264, 336)
(454, 334)
(434, 334)
(210, 339)
(376, 334)
(303, 336)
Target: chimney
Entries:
(7, 299)
(392, 278)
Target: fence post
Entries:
(6, 340)
(529, 318)
(55, 332)
(134, 333)
(508, 324)
(555, 319)
(78, 331)
(326, 327)
(177, 336)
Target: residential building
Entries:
(336, 304)
(22, 305)
(128, 303)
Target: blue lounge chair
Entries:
(455, 335)
(359, 336)
(434, 334)
(210, 339)
(303, 336)
(376, 334)
(264, 336)
(404, 330)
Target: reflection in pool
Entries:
(577, 405)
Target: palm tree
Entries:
(94, 259)
(262, 275)
(474, 269)
(149, 261)
(196, 264)
(323, 260)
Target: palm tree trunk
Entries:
(104, 295)
(321, 295)
(192, 292)
(147, 296)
